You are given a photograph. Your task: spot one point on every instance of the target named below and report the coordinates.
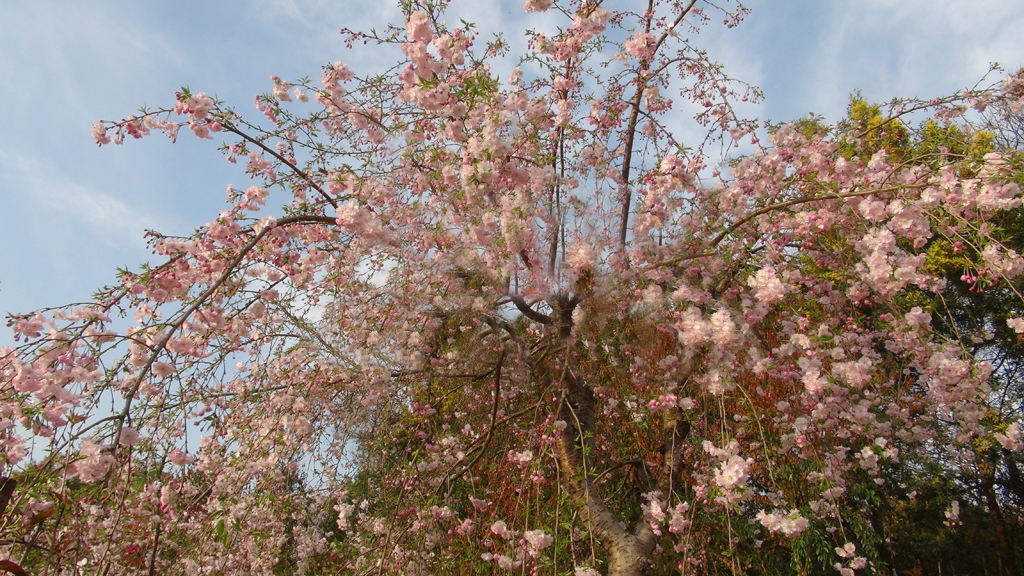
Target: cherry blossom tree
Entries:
(526, 325)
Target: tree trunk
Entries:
(552, 365)
(7, 486)
(1006, 553)
(1014, 482)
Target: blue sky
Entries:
(70, 213)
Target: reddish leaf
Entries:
(38, 518)
(13, 568)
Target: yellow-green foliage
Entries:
(872, 131)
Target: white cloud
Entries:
(923, 48)
(80, 53)
(48, 191)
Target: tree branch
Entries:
(302, 174)
(802, 200)
(529, 312)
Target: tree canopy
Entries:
(583, 320)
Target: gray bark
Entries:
(552, 365)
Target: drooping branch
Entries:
(675, 430)
(767, 209)
(184, 315)
(490, 427)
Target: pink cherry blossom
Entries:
(179, 458)
(417, 27)
(454, 320)
(538, 5)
